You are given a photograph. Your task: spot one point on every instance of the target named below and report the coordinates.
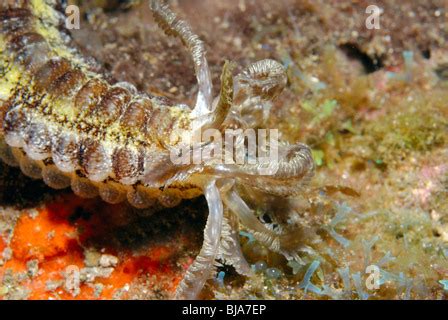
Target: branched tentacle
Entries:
(256, 87)
(237, 205)
(284, 176)
(288, 244)
(202, 268)
(174, 26)
(230, 249)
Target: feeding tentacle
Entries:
(288, 243)
(230, 248)
(255, 88)
(283, 171)
(174, 26)
(201, 269)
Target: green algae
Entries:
(417, 130)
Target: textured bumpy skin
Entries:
(63, 122)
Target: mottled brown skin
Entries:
(61, 107)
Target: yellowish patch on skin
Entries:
(12, 77)
(65, 108)
(46, 13)
(42, 9)
(8, 84)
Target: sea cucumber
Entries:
(64, 122)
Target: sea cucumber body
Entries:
(63, 122)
